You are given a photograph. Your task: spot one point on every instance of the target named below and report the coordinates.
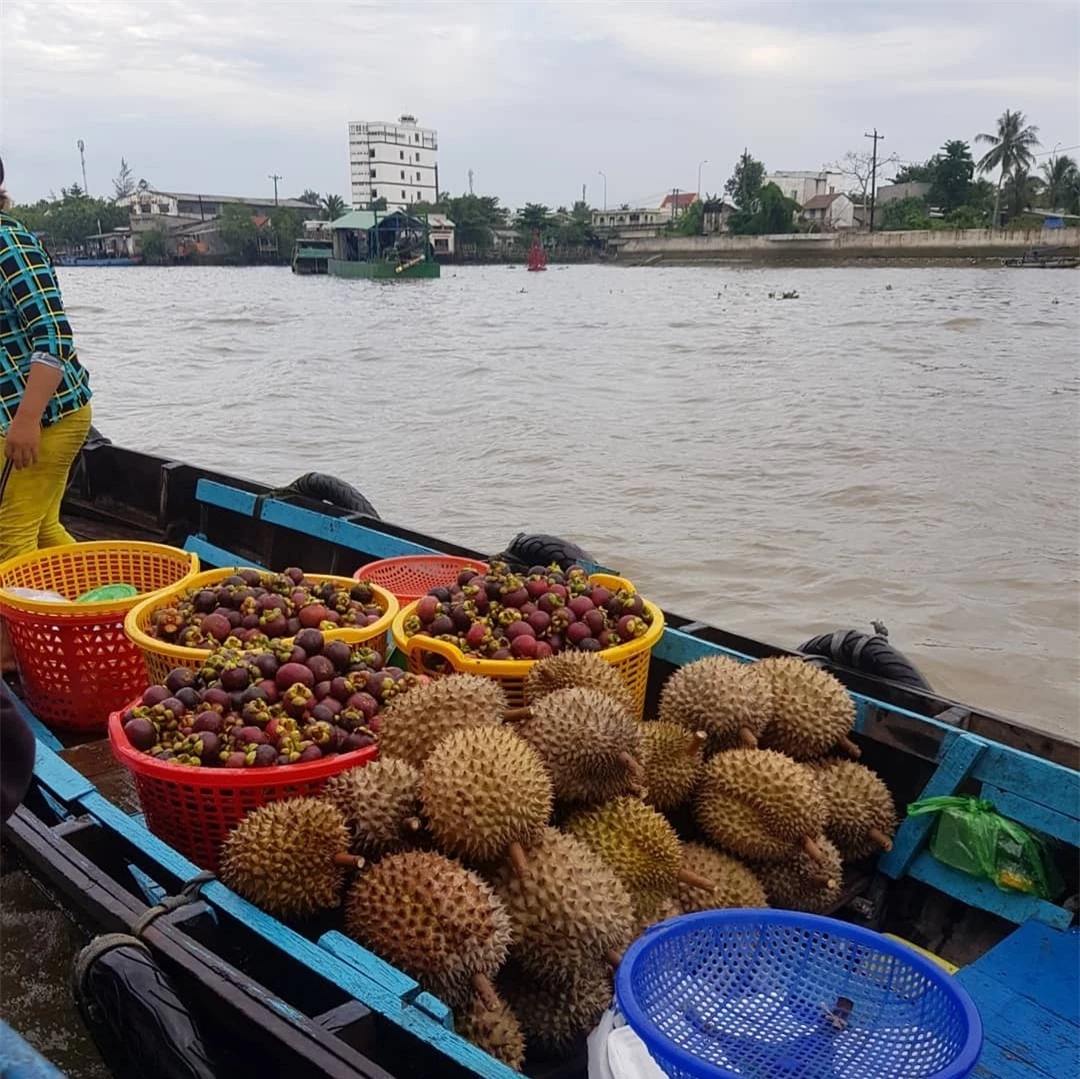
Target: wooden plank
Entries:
(1048, 784)
(348, 951)
(984, 894)
(1018, 808)
(20, 1060)
(42, 733)
(1040, 963)
(211, 556)
(225, 497)
(334, 530)
(59, 777)
(440, 1012)
(956, 765)
(1021, 1039)
(681, 648)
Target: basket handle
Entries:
(420, 642)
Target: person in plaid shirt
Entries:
(44, 396)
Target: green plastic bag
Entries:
(972, 837)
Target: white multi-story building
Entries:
(396, 162)
(803, 186)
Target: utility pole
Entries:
(583, 193)
(674, 202)
(275, 177)
(600, 172)
(470, 181)
(700, 163)
(873, 174)
(82, 161)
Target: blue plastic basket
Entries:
(770, 994)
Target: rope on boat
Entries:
(188, 894)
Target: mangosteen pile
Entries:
(286, 703)
(505, 615)
(256, 608)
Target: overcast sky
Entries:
(535, 97)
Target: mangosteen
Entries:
(502, 653)
(269, 602)
(589, 644)
(267, 664)
(523, 647)
(543, 650)
(338, 652)
(312, 615)
(460, 617)
(364, 703)
(236, 700)
(322, 690)
(549, 602)
(235, 679)
(265, 757)
(210, 745)
(141, 733)
(208, 721)
(178, 678)
(293, 627)
(361, 592)
(250, 577)
(290, 673)
(310, 640)
(236, 760)
(215, 697)
(357, 740)
(156, 694)
(321, 714)
(254, 693)
(204, 601)
(311, 753)
(340, 688)
(441, 626)
(377, 680)
(337, 739)
(594, 619)
(171, 704)
(216, 625)
(232, 581)
(321, 668)
(235, 618)
(188, 696)
(577, 632)
(277, 625)
(250, 735)
(294, 573)
(493, 588)
(250, 621)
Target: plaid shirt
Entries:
(34, 327)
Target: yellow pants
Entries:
(30, 503)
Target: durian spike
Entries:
(350, 861)
(633, 765)
(518, 860)
(880, 838)
(812, 850)
(699, 739)
(747, 738)
(849, 747)
(695, 880)
(485, 991)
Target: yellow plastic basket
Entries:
(161, 657)
(75, 662)
(631, 659)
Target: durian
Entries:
(433, 918)
(572, 909)
(811, 711)
(860, 818)
(584, 669)
(802, 883)
(380, 804)
(640, 846)
(486, 794)
(672, 758)
(495, 1030)
(555, 1016)
(736, 884)
(588, 742)
(289, 857)
(720, 696)
(668, 908)
(758, 804)
(414, 723)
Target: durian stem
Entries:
(485, 991)
(812, 850)
(849, 747)
(517, 715)
(411, 824)
(632, 764)
(877, 836)
(350, 861)
(695, 880)
(519, 861)
(820, 880)
(695, 743)
(613, 958)
(747, 738)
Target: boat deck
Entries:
(1027, 990)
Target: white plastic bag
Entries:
(616, 1052)
(37, 595)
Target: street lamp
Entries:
(700, 163)
(601, 173)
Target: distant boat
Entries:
(84, 260)
(394, 247)
(311, 255)
(537, 258)
(1045, 258)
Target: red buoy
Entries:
(537, 258)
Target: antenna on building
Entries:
(873, 175)
(275, 177)
(470, 181)
(82, 160)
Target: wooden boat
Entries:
(88, 260)
(1045, 258)
(391, 247)
(311, 255)
(316, 1000)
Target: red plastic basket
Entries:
(193, 809)
(414, 575)
(75, 661)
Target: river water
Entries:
(897, 443)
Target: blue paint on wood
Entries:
(20, 1060)
(680, 648)
(378, 970)
(440, 1012)
(225, 497)
(984, 894)
(956, 765)
(214, 557)
(44, 736)
(152, 892)
(59, 777)
(1027, 812)
(1051, 785)
(336, 530)
(1022, 1040)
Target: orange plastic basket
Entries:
(414, 575)
(75, 661)
(631, 659)
(161, 657)
(193, 809)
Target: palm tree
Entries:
(1021, 191)
(333, 207)
(1010, 148)
(1060, 175)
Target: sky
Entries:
(537, 98)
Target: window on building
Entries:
(374, 193)
(403, 174)
(371, 152)
(416, 137)
(403, 195)
(372, 171)
(417, 155)
(144, 207)
(418, 177)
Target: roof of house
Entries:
(355, 219)
(440, 221)
(183, 196)
(821, 202)
(680, 201)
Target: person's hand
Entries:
(22, 441)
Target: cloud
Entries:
(535, 97)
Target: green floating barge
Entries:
(391, 247)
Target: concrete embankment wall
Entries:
(824, 248)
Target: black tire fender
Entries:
(868, 653)
(539, 549)
(325, 488)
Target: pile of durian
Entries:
(506, 858)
